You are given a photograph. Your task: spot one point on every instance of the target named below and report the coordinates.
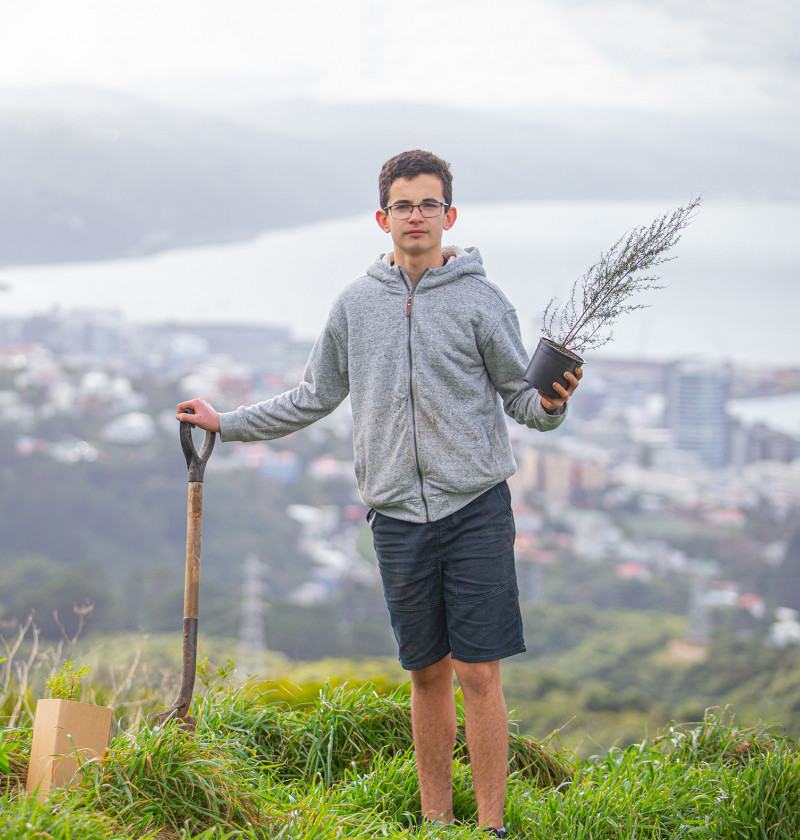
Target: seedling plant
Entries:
(65, 683)
(586, 319)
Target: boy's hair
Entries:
(408, 165)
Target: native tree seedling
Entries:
(604, 292)
(65, 683)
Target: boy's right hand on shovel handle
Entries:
(204, 416)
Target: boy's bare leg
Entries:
(433, 719)
(486, 720)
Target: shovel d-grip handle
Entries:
(196, 462)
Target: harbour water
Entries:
(781, 412)
(733, 289)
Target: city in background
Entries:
(651, 454)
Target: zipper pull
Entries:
(408, 305)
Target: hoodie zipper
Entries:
(413, 404)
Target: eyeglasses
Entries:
(404, 210)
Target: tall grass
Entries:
(720, 739)
(23, 818)
(714, 781)
(168, 780)
(17, 744)
(341, 765)
(346, 728)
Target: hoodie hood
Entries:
(458, 261)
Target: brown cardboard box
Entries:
(62, 729)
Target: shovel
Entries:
(191, 594)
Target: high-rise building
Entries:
(695, 411)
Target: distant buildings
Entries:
(749, 444)
(696, 394)
(645, 435)
(107, 338)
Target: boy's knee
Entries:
(434, 677)
(479, 678)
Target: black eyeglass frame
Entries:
(441, 204)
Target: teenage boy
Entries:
(430, 353)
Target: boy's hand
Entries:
(204, 416)
(553, 405)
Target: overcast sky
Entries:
(737, 58)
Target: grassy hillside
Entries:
(323, 749)
(342, 766)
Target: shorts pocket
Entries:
(503, 495)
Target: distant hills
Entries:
(89, 175)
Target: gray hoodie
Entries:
(429, 371)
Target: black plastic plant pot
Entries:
(548, 365)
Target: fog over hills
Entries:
(90, 175)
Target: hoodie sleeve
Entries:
(324, 386)
(506, 360)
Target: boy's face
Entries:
(418, 236)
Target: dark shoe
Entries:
(496, 832)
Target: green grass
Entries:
(345, 729)
(320, 752)
(341, 765)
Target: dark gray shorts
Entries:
(451, 585)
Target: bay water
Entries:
(732, 292)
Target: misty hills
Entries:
(89, 175)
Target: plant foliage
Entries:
(5, 764)
(65, 683)
(604, 292)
